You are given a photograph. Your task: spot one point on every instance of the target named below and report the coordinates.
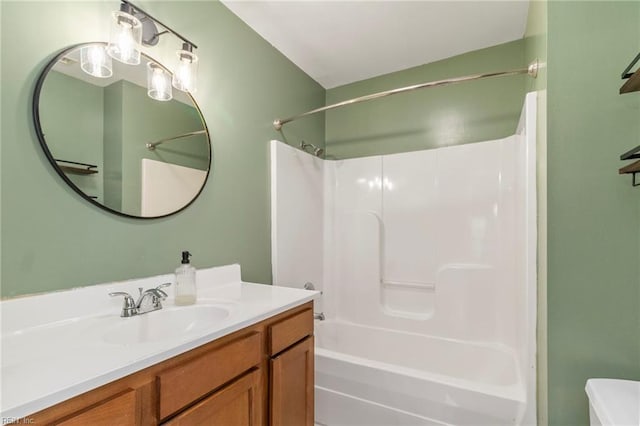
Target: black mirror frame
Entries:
(52, 161)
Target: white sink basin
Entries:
(167, 323)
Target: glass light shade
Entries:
(125, 38)
(95, 61)
(186, 72)
(158, 83)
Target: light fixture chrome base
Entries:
(150, 34)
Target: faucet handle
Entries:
(129, 305)
(127, 296)
(159, 290)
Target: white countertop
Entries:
(53, 345)
(615, 401)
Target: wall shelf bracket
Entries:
(77, 168)
(631, 85)
(633, 78)
(634, 169)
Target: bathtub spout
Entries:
(319, 316)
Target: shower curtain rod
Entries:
(152, 146)
(531, 70)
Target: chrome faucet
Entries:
(316, 315)
(148, 301)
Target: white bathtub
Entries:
(370, 376)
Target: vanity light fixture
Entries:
(95, 61)
(158, 82)
(125, 36)
(132, 28)
(185, 75)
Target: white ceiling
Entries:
(339, 42)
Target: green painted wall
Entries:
(112, 169)
(593, 213)
(53, 239)
(468, 112)
(74, 132)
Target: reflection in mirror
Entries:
(114, 144)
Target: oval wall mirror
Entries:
(112, 143)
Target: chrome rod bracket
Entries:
(533, 69)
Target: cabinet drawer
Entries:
(183, 384)
(237, 404)
(289, 331)
(119, 410)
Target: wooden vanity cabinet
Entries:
(260, 375)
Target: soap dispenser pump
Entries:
(185, 282)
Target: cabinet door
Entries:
(292, 386)
(237, 404)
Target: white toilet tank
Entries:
(613, 402)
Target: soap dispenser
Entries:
(185, 282)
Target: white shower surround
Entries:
(424, 323)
